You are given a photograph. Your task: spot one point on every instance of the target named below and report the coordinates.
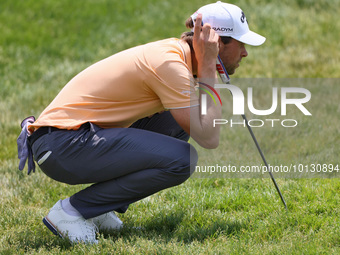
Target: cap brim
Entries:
(250, 38)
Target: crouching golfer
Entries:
(123, 123)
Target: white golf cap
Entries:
(229, 20)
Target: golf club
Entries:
(225, 79)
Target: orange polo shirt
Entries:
(125, 87)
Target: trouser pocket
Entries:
(44, 157)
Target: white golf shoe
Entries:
(108, 221)
(76, 228)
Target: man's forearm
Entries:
(201, 127)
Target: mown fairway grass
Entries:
(45, 43)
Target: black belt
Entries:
(40, 132)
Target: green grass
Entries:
(45, 43)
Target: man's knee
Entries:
(193, 159)
(186, 166)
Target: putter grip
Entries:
(221, 70)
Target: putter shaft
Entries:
(225, 78)
(264, 160)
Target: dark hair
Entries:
(187, 36)
(226, 39)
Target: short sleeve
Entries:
(174, 83)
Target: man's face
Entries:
(232, 54)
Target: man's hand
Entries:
(206, 47)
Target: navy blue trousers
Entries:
(123, 165)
